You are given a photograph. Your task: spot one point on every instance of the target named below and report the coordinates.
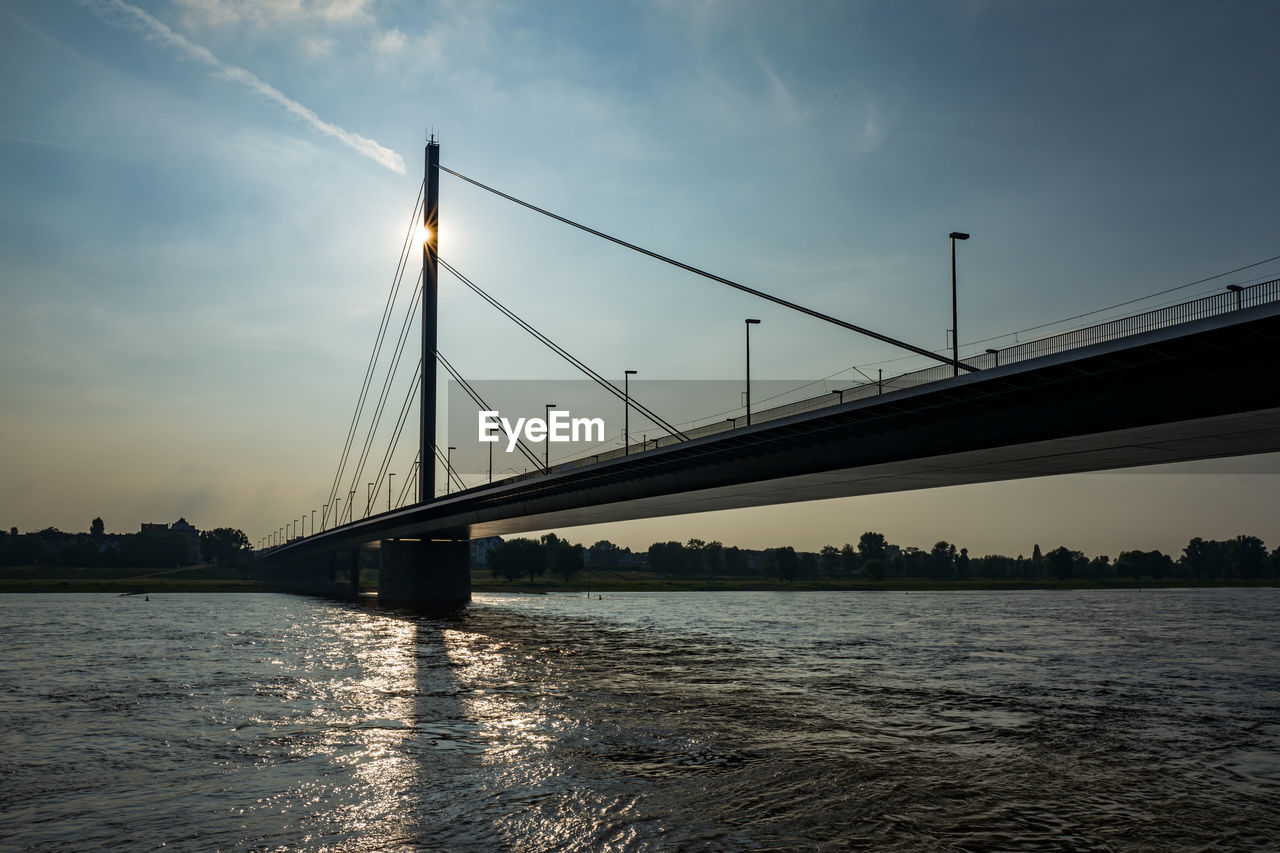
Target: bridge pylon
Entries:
(430, 288)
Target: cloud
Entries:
(789, 108)
(317, 47)
(262, 13)
(117, 11)
(392, 41)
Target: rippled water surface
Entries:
(1109, 720)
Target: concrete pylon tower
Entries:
(430, 286)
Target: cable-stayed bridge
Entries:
(1188, 381)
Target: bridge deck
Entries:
(1194, 390)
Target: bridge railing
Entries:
(1160, 318)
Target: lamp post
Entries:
(750, 323)
(448, 470)
(313, 522)
(626, 413)
(841, 391)
(1237, 290)
(351, 504)
(368, 504)
(546, 444)
(996, 353)
(337, 508)
(389, 476)
(955, 334)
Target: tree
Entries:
(735, 561)
(561, 557)
(1204, 559)
(1100, 567)
(604, 555)
(912, 562)
(226, 546)
(849, 560)
(1063, 562)
(785, 563)
(942, 559)
(829, 560)
(97, 528)
(713, 558)
(1246, 557)
(514, 557)
(668, 558)
(872, 546)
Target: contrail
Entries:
(137, 19)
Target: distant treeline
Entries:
(157, 549)
(874, 558)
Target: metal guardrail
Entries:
(1160, 318)
(1234, 299)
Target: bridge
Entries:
(1194, 380)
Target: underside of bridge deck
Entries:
(1200, 390)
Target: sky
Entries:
(204, 203)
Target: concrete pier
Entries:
(424, 574)
(324, 574)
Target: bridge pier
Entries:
(424, 574)
(318, 575)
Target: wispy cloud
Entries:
(117, 11)
(789, 108)
(389, 42)
(263, 13)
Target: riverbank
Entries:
(647, 582)
(125, 579)
(210, 579)
(128, 586)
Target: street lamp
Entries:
(1237, 290)
(368, 504)
(996, 353)
(955, 334)
(389, 476)
(337, 508)
(448, 470)
(750, 323)
(626, 416)
(546, 444)
(841, 393)
(313, 522)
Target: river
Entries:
(1001, 721)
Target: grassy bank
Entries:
(125, 580)
(216, 579)
(649, 582)
(127, 585)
